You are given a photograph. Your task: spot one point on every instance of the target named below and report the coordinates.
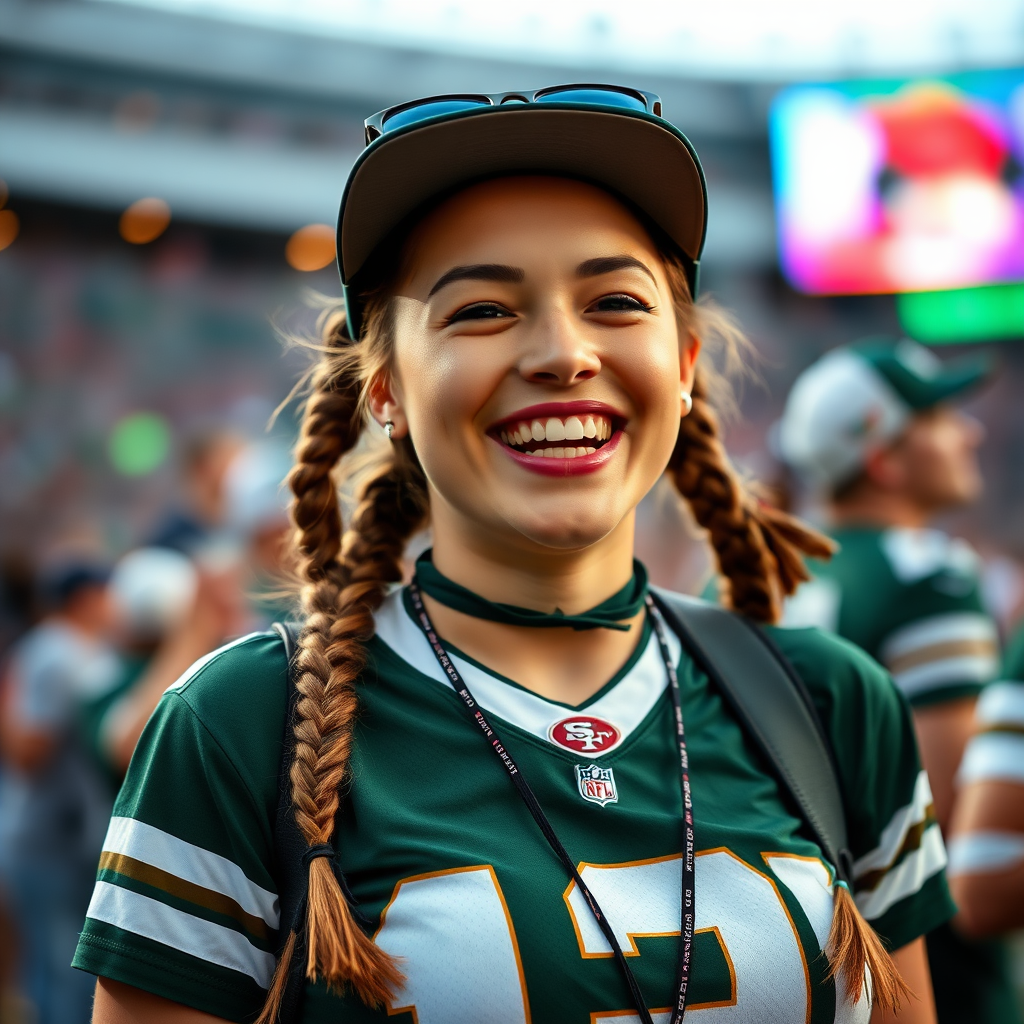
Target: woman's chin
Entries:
(565, 529)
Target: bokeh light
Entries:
(139, 443)
(9, 226)
(311, 247)
(144, 221)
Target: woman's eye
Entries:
(620, 303)
(480, 311)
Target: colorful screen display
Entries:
(901, 186)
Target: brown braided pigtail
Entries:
(343, 584)
(760, 552)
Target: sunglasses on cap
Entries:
(404, 114)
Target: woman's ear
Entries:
(386, 407)
(689, 349)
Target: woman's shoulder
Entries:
(234, 699)
(833, 667)
(250, 672)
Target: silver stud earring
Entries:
(389, 429)
(687, 401)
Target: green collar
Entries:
(608, 614)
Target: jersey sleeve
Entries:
(943, 645)
(995, 754)
(899, 859)
(185, 904)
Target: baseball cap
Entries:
(607, 135)
(859, 398)
(153, 589)
(64, 579)
(256, 497)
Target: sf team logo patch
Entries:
(596, 784)
(585, 734)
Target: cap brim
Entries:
(639, 156)
(957, 379)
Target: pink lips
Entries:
(577, 466)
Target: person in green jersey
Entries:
(519, 362)
(874, 426)
(987, 844)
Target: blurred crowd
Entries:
(92, 643)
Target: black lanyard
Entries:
(687, 921)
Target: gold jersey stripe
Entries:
(942, 651)
(183, 890)
(911, 842)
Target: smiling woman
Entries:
(531, 346)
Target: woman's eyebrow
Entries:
(480, 272)
(606, 264)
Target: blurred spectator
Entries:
(201, 505)
(256, 500)
(872, 426)
(986, 852)
(170, 615)
(54, 805)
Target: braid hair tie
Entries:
(319, 850)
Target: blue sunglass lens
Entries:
(411, 115)
(604, 97)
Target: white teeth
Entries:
(554, 430)
(590, 451)
(573, 428)
(559, 453)
(549, 453)
(570, 453)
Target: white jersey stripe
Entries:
(1001, 703)
(947, 672)
(205, 660)
(978, 852)
(133, 912)
(626, 705)
(938, 630)
(993, 755)
(143, 842)
(907, 877)
(895, 833)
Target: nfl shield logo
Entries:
(596, 784)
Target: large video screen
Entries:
(900, 186)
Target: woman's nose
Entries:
(558, 352)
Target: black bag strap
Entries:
(772, 703)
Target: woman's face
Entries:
(538, 362)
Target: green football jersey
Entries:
(457, 879)
(912, 600)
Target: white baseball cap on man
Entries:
(859, 398)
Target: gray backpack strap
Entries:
(773, 705)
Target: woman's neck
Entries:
(529, 576)
(560, 664)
